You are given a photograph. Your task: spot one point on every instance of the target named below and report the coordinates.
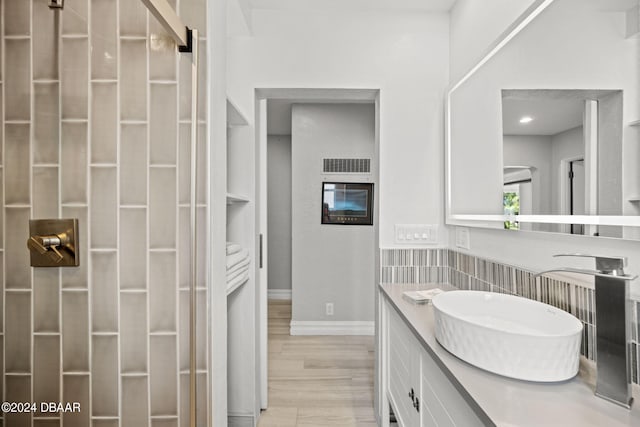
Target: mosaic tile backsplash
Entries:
(475, 273)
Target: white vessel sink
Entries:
(509, 335)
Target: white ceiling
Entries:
(550, 116)
(553, 111)
(422, 5)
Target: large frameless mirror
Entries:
(543, 134)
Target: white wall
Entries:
(509, 246)
(405, 55)
(475, 26)
(279, 211)
(534, 150)
(331, 263)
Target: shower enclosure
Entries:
(97, 123)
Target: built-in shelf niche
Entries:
(242, 392)
(635, 123)
(634, 199)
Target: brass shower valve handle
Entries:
(49, 245)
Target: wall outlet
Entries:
(328, 309)
(462, 238)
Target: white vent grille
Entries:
(347, 166)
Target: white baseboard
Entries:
(284, 294)
(332, 328)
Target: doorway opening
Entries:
(304, 261)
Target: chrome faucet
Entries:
(613, 331)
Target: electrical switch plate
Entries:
(462, 238)
(417, 233)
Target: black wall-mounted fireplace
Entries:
(347, 203)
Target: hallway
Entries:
(317, 380)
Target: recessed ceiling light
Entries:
(526, 119)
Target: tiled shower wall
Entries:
(470, 272)
(95, 125)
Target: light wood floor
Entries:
(317, 380)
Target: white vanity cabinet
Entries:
(416, 387)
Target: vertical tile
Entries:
(75, 17)
(184, 168)
(74, 163)
(133, 164)
(184, 400)
(202, 399)
(184, 163)
(1, 305)
(17, 81)
(2, 210)
(201, 330)
(163, 124)
(2, 395)
(133, 332)
(135, 402)
(46, 123)
(162, 50)
(17, 260)
(202, 165)
(104, 122)
(162, 56)
(17, 332)
(201, 248)
(46, 300)
(133, 248)
(18, 390)
(75, 77)
(75, 331)
(202, 81)
(46, 49)
(104, 204)
(163, 376)
(104, 376)
(133, 19)
(46, 368)
(162, 208)
(17, 14)
(162, 291)
(183, 330)
(45, 192)
(104, 39)
(76, 389)
(17, 164)
(104, 298)
(185, 85)
(133, 81)
(77, 277)
(184, 248)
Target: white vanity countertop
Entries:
(509, 402)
